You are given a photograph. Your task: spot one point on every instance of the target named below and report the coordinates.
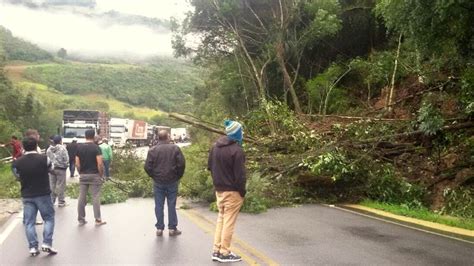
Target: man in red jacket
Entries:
(227, 165)
(16, 147)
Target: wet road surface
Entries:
(305, 235)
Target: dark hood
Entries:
(224, 141)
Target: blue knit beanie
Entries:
(233, 129)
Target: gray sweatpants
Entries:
(57, 183)
(94, 183)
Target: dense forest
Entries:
(341, 100)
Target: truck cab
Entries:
(76, 122)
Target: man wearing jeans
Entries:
(33, 169)
(227, 165)
(165, 163)
(91, 168)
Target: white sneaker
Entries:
(34, 252)
(49, 249)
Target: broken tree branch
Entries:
(205, 127)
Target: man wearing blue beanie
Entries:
(227, 165)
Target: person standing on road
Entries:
(58, 154)
(33, 133)
(106, 156)
(91, 169)
(33, 171)
(165, 163)
(227, 165)
(72, 151)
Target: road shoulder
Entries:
(437, 228)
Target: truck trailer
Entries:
(128, 131)
(76, 122)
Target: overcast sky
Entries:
(82, 35)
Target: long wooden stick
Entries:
(356, 117)
(205, 127)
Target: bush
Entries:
(429, 118)
(127, 169)
(110, 193)
(459, 202)
(197, 182)
(9, 186)
(467, 93)
(385, 186)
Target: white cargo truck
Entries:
(128, 131)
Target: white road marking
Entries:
(11, 226)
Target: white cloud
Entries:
(163, 9)
(82, 35)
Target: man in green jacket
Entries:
(107, 156)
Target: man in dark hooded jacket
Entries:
(227, 165)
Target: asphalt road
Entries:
(305, 235)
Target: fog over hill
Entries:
(95, 28)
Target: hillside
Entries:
(13, 48)
(167, 85)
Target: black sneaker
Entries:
(231, 257)
(215, 256)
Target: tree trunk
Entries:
(286, 77)
(368, 94)
(392, 84)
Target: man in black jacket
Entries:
(165, 163)
(227, 165)
(33, 169)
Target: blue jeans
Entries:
(46, 209)
(72, 167)
(106, 168)
(170, 192)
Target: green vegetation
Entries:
(165, 85)
(384, 114)
(13, 48)
(421, 213)
(9, 186)
(110, 193)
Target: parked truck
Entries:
(128, 131)
(76, 122)
(179, 135)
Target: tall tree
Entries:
(260, 32)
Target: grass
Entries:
(421, 213)
(52, 98)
